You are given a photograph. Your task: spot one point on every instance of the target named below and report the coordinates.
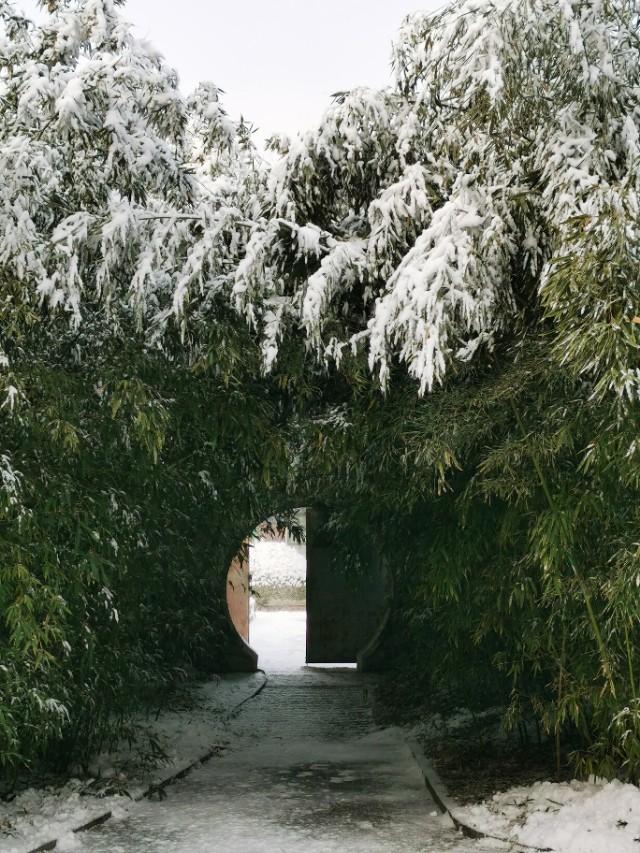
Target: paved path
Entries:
(307, 770)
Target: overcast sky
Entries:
(279, 61)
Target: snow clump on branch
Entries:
(503, 162)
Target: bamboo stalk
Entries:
(595, 627)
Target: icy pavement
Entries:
(306, 770)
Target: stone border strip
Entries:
(448, 806)
(170, 780)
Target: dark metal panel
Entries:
(343, 612)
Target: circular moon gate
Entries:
(346, 613)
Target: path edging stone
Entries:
(157, 787)
(447, 805)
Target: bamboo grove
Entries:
(423, 314)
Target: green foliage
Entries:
(475, 228)
(139, 476)
(505, 506)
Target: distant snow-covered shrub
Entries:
(277, 564)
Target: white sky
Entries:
(278, 61)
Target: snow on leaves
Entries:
(412, 222)
(449, 199)
(448, 286)
(106, 166)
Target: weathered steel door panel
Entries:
(343, 611)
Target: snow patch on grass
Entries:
(568, 817)
(437, 725)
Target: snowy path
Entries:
(307, 770)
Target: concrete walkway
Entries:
(306, 770)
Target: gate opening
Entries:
(278, 587)
(293, 603)
(266, 593)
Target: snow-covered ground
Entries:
(308, 771)
(288, 751)
(37, 816)
(571, 817)
(279, 638)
